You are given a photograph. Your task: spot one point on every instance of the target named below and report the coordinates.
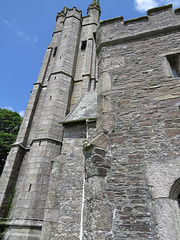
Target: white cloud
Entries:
(21, 113)
(144, 5)
(8, 23)
(9, 108)
(25, 37)
(35, 40)
(176, 3)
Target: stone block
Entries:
(104, 83)
(101, 220)
(101, 141)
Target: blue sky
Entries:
(26, 28)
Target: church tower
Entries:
(67, 76)
(97, 155)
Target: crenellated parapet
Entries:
(74, 12)
(60, 19)
(154, 11)
(68, 12)
(158, 20)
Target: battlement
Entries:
(92, 17)
(73, 12)
(177, 11)
(69, 12)
(160, 19)
(160, 9)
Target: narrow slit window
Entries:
(55, 51)
(52, 163)
(94, 34)
(174, 62)
(30, 187)
(83, 45)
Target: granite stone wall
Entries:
(138, 111)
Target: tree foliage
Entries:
(9, 127)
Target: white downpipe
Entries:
(83, 193)
(82, 211)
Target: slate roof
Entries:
(85, 109)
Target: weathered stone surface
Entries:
(104, 83)
(161, 183)
(165, 211)
(100, 218)
(65, 196)
(144, 134)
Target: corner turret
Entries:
(60, 19)
(94, 10)
(62, 13)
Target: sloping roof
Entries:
(85, 109)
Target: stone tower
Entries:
(94, 165)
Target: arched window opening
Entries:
(178, 200)
(175, 192)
